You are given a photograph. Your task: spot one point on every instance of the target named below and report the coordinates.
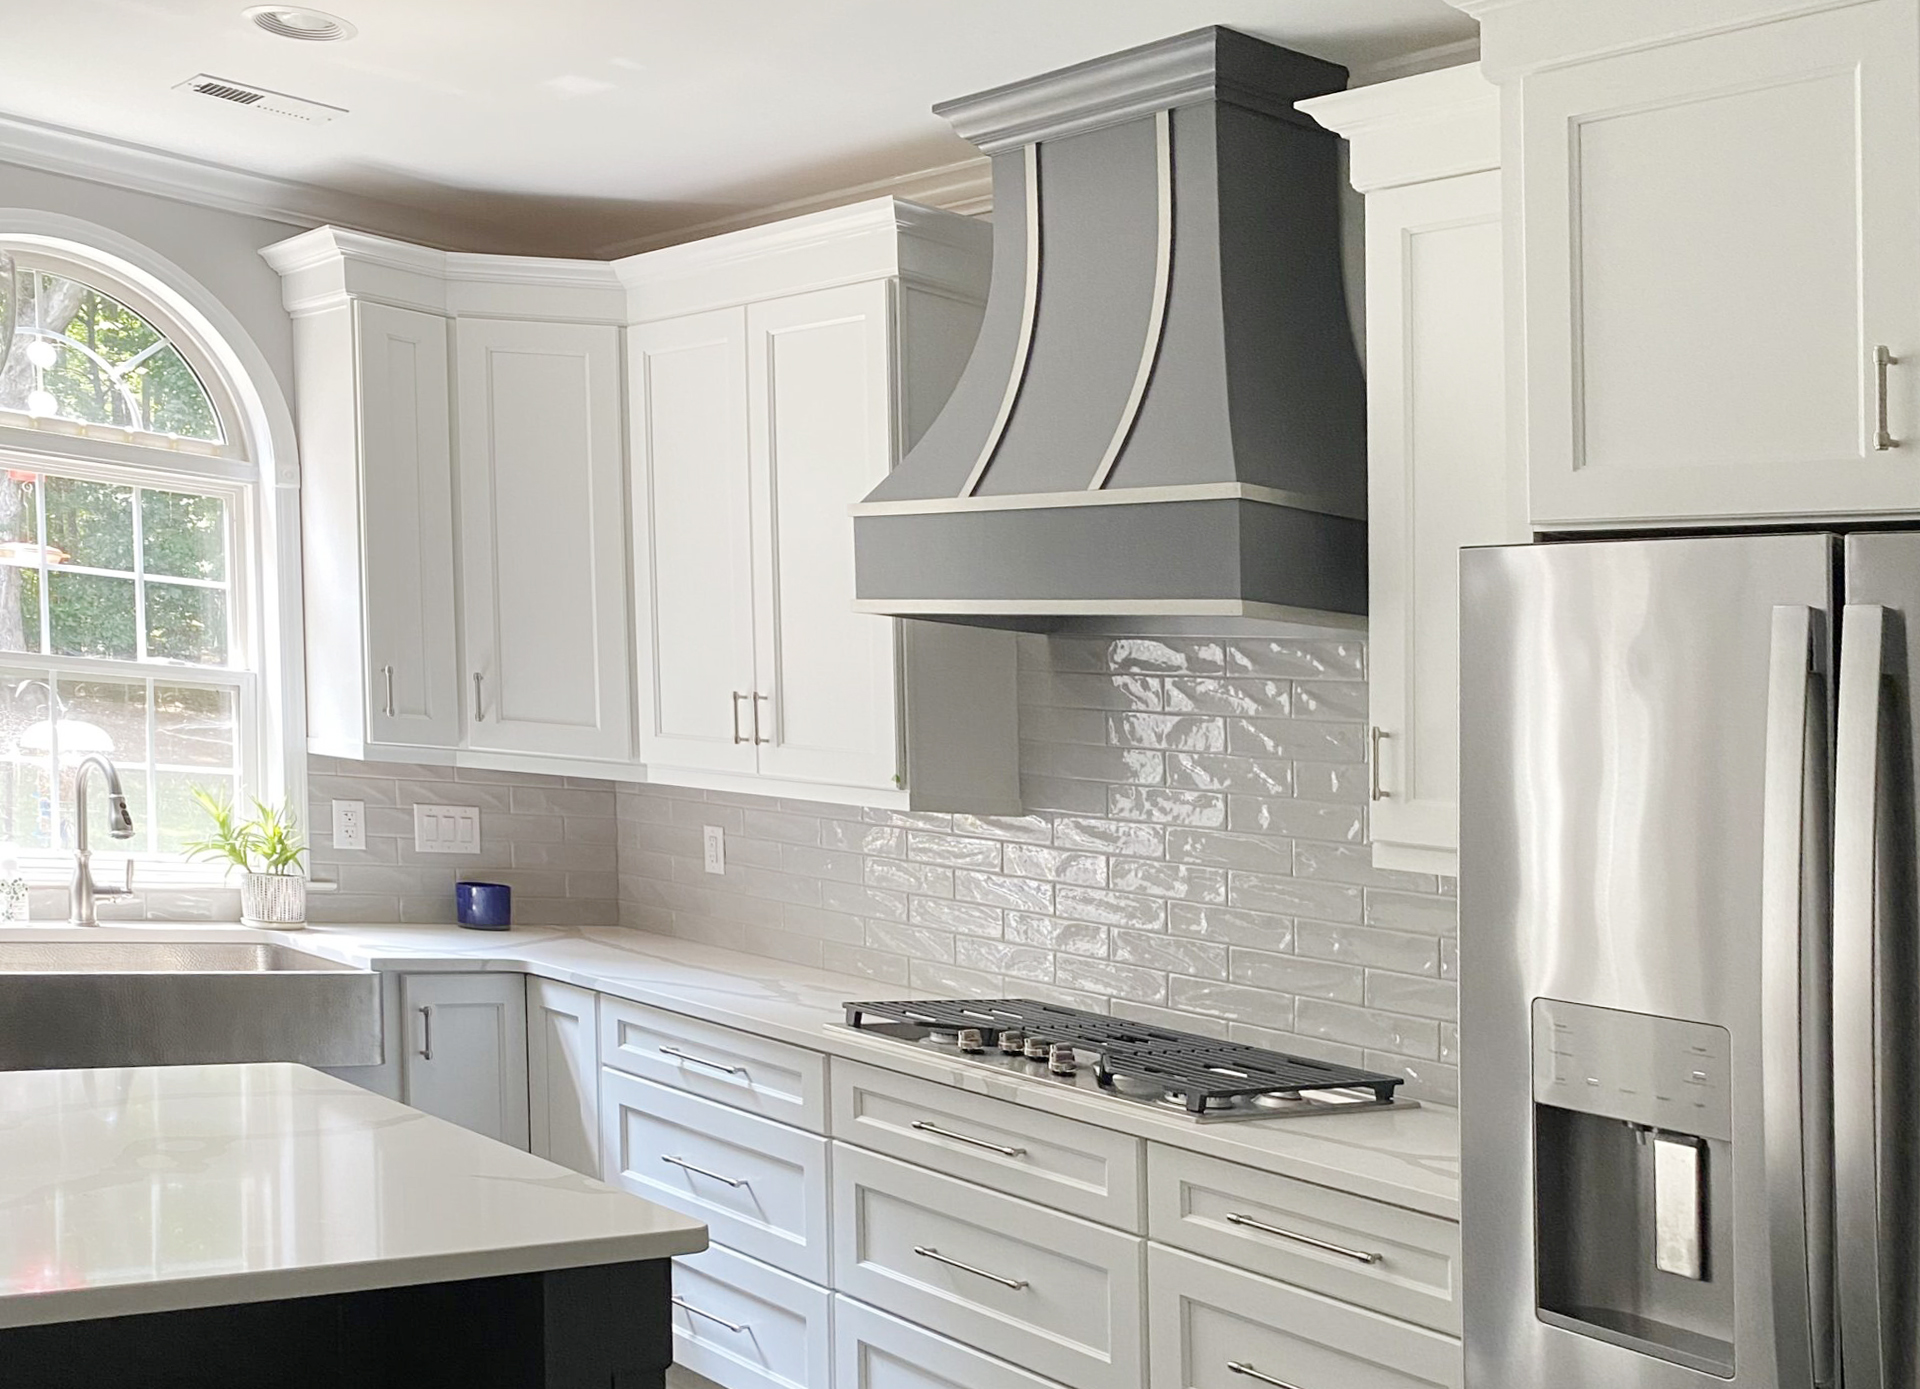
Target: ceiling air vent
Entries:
(308, 26)
(260, 99)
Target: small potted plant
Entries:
(267, 851)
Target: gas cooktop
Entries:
(1203, 1077)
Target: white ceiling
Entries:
(581, 126)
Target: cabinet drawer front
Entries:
(1048, 1291)
(736, 1068)
(1205, 1318)
(747, 1326)
(872, 1350)
(760, 1186)
(1062, 1164)
(1393, 1260)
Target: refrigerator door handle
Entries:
(1793, 1034)
(1859, 764)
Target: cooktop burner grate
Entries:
(1201, 1072)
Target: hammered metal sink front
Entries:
(80, 1003)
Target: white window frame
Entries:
(252, 469)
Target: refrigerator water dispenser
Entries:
(1633, 1217)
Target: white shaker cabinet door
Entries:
(466, 1038)
(1438, 480)
(543, 539)
(563, 1074)
(1718, 235)
(406, 526)
(692, 541)
(820, 421)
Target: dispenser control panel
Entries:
(1663, 1073)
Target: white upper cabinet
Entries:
(693, 540)
(820, 435)
(543, 544)
(412, 690)
(1718, 209)
(774, 376)
(463, 504)
(1426, 152)
(383, 676)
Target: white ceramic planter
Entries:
(278, 900)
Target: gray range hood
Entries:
(1164, 412)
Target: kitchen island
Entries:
(251, 1225)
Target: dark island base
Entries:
(587, 1328)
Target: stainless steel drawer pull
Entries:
(479, 698)
(694, 1311)
(737, 736)
(686, 1166)
(1882, 359)
(938, 1132)
(1240, 1368)
(426, 1032)
(692, 1060)
(1376, 736)
(1015, 1283)
(386, 673)
(1359, 1256)
(756, 716)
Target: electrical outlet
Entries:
(446, 829)
(349, 824)
(716, 845)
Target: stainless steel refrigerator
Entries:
(1689, 962)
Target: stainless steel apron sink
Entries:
(75, 1003)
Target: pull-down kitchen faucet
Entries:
(119, 825)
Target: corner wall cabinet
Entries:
(788, 379)
(477, 399)
(1426, 153)
(1715, 209)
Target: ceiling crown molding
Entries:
(52, 149)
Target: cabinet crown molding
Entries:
(1415, 129)
(1524, 36)
(322, 268)
(875, 239)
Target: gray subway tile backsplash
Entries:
(1194, 854)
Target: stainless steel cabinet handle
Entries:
(1359, 1256)
(1377, 736)
(757, 697)
(1882, 359)
(1794, 996)
(1241, 1368)
(479, 698)
(386, 673)
(721, 1066)
(924, 1127)
(1015, 1283)
(686, 1166)
(1863, 937)
(426, 1033)
(737, 737)
(692, 1310)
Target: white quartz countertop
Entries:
(1408, 1157)
(153, 1189)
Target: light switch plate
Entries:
(349, 824)
(446, 829)
(716, 849)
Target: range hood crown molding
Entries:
(1211, 64)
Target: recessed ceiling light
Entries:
(292, 22)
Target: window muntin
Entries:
(85, 357)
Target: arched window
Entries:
(129, 557)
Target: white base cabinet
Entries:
(1426, 153)
(872, 1350)
(563, 1074)
(744, 1325)
(786, 388)
(466, 1051)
